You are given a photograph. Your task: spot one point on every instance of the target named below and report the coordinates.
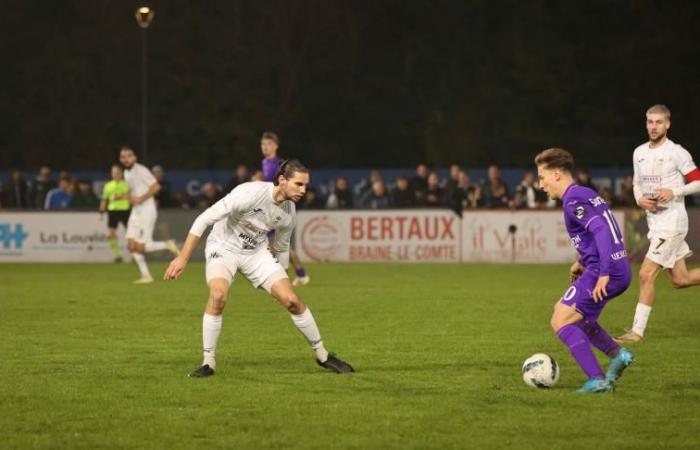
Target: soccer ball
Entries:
(540, 371)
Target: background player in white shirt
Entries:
(661, 171)
(139, 230)
(238, 242)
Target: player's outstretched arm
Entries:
(178, 264)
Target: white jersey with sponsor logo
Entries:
(244, 217)
(140, 179)
(663, 167)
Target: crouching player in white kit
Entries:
(238, 242)
(661, 170)
(139, 229)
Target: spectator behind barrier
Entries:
(310, 200)
(208, 196)
(257, 176)
(402, 195)
(341, 197)
(607, 195)
(240, 176)
(529, 195)
(40, 187)
(60, 197)
(627, 193)
(15, 193)
(465, 195)
(419, 183)
(583, 178)
(434, 194)
(494, 193)
(377, 198)
(164, 198)
(452, 182)
(365, 185)
(84, 197)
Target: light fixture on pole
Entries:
(144, 17)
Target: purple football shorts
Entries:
(580, 293)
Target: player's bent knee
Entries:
(555, 323)
(646, 276)
(563, 315)
(218, 297)
(679, 282)
(293, 304)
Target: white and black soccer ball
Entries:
(540, 371)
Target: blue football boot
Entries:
(596, 385)
(618, 364)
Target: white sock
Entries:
(141, 263)
(307, 325)
(154, 246)
(211, 329)
(641, 316)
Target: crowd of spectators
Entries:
(424, 189)
(44, 192)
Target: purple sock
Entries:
(599, 338)
(300, 272)
(580, 347)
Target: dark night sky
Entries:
(346, 84)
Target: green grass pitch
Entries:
(90, 361)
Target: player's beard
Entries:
(659, 137)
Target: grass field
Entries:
(90, 361)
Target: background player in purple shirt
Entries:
(601, 272)
(269, 144)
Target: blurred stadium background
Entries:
(419, 121)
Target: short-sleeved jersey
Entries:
(140, 179)
(112, 189)
(244, 217)
(663, 167)
(593, 231)
(269, 168)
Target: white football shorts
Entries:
(667, 248)
(140, 226)
(261, 268)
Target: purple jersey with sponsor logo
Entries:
(269, 168)
(594, 232)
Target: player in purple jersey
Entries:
(269, 144)
(602, 272)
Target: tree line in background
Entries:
(346, 84)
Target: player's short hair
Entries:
(126, 147)
(660, 109)
(288, 168)
(555, 158)
(271, 136)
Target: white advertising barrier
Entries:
(379, 236)
(435, 236)
(518, 236)
(531, 237)
(55, 237)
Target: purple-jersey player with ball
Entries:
(602, 272)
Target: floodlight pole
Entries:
(144, 17)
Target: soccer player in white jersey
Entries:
(239, 242)
(664, 173)
(139, 230)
